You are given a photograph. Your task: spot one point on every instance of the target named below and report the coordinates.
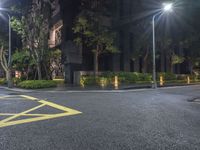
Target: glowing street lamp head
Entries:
(167, 7)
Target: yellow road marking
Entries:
(29, 97)
(33, 115)
(32, 120)
(17, 115)
(71, 111)
(7, 96)
(37, 117)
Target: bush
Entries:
(88, 80)
(37, 84)
(145, 77)
(107, 78)
(16, 81)
(3, 81)
(167, 76)
(181, 77)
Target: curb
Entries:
(16, 89)
(129, 89)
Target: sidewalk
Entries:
(121, 87)
(96, 88)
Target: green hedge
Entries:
(37, 84)
(107, 78)
(3, 81)
(167, 76)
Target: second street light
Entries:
(167, 7)
(9, 73)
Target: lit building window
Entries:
(56, 34)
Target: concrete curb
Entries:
(16, 89)
(97, 90)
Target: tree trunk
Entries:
(96, 64)
(9, 78)
(162, 61)
(171, 68)
(144, 66)
(27, 73)
(48, 74)
(144, 63)
(39, 71)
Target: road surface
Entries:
(107, 120)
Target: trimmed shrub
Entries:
(167, 76)
(181, 77)
(16, 81)
(37, 84)
(107, 78)
(145, 77)
(88, 80)
(3, 81)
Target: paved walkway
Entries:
(95, 88)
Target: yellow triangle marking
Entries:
(31, 115)
(28, 97)
(18, 115)
(37, 117)
(7, 96)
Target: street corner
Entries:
(38, 110)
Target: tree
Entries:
(91, 30)
(23, 62)
(34, 29)
(192, 45)
(4, 57)
(142, 45)
(55, 63)
(4, 63)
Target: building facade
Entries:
(123, 19)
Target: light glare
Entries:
(167, 6)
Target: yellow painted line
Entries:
(72, 111)
(7, 96)
(28, 97)
(10, 123)
(18, 115)
(38, 117)
(33, 115)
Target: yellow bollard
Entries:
(188, 80)
(102, 82)
(116, 83)
(82, 82)
(161, 81)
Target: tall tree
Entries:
(91, 29)
(34, 29)
(4, 60)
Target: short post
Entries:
(188, 79)
(161, 81)
(82, 82)
(116, 83)
(102, 82)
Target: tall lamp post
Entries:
(167, 7)
(9, 53)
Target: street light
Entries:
(9, 51)
(167, 7)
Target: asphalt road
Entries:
(160, 119)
